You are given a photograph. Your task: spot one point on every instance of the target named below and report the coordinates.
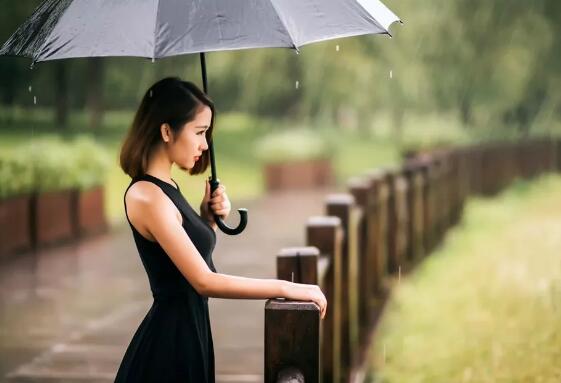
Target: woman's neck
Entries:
(159, 166)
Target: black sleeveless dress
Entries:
(174, 340)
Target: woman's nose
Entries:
(205, 144)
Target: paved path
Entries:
(68, 314)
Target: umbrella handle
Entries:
(220, 222)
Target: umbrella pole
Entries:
(214, 181)
(213, 175)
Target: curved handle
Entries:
(220, 222)
(233, 230)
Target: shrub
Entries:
(16, 176)
(49, 164)
(292, 145)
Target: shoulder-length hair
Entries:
(171, 101)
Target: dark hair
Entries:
(171, 101)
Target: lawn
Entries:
(485, 307)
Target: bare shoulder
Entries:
(143, 199)
(143, 194)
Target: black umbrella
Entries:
(154, 29)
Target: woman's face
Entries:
(190, 144)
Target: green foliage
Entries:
(292, 145)
(472, 58)
(50, 163)
(16, 176)
(91, 162)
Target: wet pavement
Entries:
(68, 313)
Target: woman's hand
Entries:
(303, 292)
(218, 204)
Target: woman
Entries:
(174, 342)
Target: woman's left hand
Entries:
(218, 204)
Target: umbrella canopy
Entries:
(155, 29)
(60, 29)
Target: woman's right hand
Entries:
(303, 292)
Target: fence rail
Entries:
(389, 220)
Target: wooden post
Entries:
(415, 205)
(409, 172)
(556, 155)
(292, 339)
(428, 211)
(326, 234)
(298, 264)
(360, 189)
(343, 207)
(379, 228)
(392, 223)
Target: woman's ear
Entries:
(165, 131)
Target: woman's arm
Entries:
(159, 218)
(228, 286)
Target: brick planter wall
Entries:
(89, 209)
(15, 225)
(53, 217)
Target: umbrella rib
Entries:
(378, 23)
(155, 29)
(36, 56)
(284, 25)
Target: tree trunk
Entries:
(61, 95)
(465, 111)
(95, 74)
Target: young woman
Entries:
(174, 342)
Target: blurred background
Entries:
(456, 72)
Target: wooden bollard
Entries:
(292, 340)
(558, 155)
(378, 232)
(343, 206)
(440, 201)
(409, 172)
(447, 195)
(360, 189)
(413, 172)
(393, 262)
(428, 205)
(462, 180)
(401, 190)
(298, 264)
(326, 234)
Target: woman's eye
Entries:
(200, 133)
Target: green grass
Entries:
(486, 307)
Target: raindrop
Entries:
(34, 100)
(292, 277)
(337, 47)
(150, 93)
(30, 88)
(153, 59)
(297, 84)
(399, 274)
(391, 73)
(32, 65)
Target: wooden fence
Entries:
(387, 222)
